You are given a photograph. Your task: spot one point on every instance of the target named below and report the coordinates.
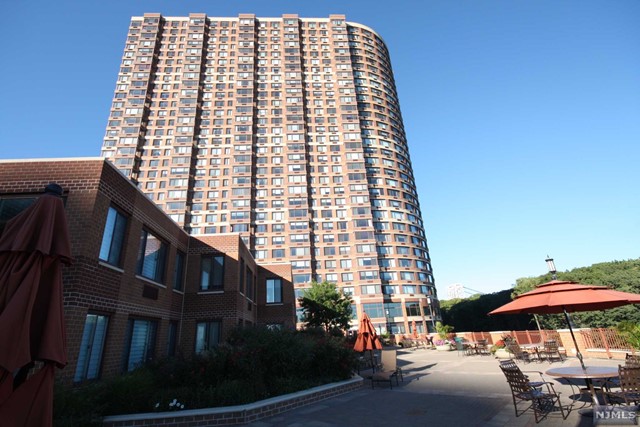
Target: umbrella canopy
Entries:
(560, 296)
(557, 296)
(367, 337)
(33, 247)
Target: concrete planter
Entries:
(502, 353)
(445, 347)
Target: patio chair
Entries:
(367, 360)
(629, 382)
(510, 364)
(388, 369)
(482, 348)
(464, 348)
(550, 351)
(540, 397)
(632, 360)
(517, 352)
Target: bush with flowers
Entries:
(502, 343)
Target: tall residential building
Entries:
(287, 131)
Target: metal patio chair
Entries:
(539, 397)
(388, 369)
(517, 352)
(550, 351)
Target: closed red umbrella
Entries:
(414, 329)
(560, 296)
(367, 338)
(33, 247)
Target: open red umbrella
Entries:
(33, 247)
(560, 296)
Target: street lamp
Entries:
(386, 316)
(433, 321)
(552, 267)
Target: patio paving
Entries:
(439, 389)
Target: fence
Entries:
(522, 337)
(597, 339)
(604, 338)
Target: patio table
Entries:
(588, 374)
(533, 349)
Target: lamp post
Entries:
(433, 321)
(386, 316)
(552, 267)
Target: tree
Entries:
(470, 314)
(619, 275)
(326, 307)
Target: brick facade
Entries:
(91, 186)
(288, 131)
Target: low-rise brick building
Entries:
(140, 287)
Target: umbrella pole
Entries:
(566, 315)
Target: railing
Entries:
(477, 336)
(536, 336)
(604, 338)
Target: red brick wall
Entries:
(90, 187)
(285, 312)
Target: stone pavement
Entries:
(439, 389)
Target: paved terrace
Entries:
(439, 389)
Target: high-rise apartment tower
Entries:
(285, 130)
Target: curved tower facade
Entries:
(285, 130)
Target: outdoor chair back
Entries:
(632, 360)
(629, 378)
(482, 347)
(463, 347)
(528, 395)
(517, 352)
(550, 351)
(388, 368)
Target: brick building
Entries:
(141, 287)
(288, 131)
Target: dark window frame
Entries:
(91, 353)
(149, 349)
(208, 345)
(159, 270)
(276, 292)
(216, 275)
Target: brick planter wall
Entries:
(234, 415)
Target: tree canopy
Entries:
(326, 307)
(619, 275)
(470, 314)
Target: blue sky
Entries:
(523, 117)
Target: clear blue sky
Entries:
(523, 117)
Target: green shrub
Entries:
(631, 332)
(77, 407)
(254, 364)
(130, 393)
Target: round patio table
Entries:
(588, 375)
